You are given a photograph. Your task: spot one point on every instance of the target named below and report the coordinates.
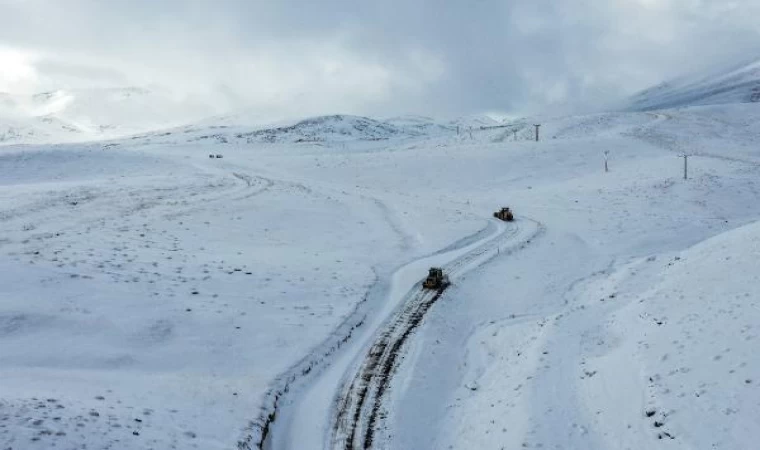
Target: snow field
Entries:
(690, 325)
(151, 296)
(176, 291)
(526, 350)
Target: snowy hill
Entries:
(689, 321)
(737, 84)
(476, 121)
(422, 124)
(88, 114)
(37, 130)
(330, 128)
(150, 116)
(321, 130)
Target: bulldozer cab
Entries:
(435, 279)
(504, 214)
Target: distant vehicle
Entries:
(504, 214)
(436, 279)
(211, 156)
(219, 156)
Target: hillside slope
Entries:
(88, 114)
(737, 84)
(320, 130)
(689, 325)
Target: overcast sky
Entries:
(441, 58)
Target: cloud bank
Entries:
(290, 58)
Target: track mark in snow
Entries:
(258, 430)
(406, 239)
(282, 401)
(254, 184)
(360, 407)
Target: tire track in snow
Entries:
(662, 139)
(258, 432)
(406, 240)
(360, 410)
(251, 186)
(299, 397)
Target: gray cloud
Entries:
(288, 58)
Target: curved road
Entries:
(310, 417)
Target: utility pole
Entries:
(606, 167)
(685, 166)
(537, 127)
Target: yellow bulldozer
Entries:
(436, 279)
(504, 214)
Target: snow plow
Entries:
(436, 279)
(504, 214)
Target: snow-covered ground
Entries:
(153, 297)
